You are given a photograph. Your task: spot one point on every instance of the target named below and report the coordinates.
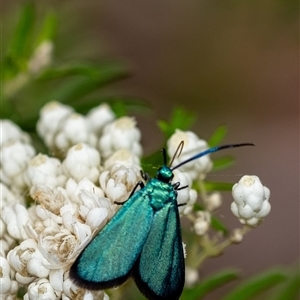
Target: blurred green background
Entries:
(233, 63)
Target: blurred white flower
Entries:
(120, 134)
(236, 236)
(41, 57)
(73, 130)
(213, 201)
(99, 116)
(41, 289)
(82, 161)
(202, 222)
(251, 201)
(44, 170)
(192, 145)
(187, 196)
(14, 158)
(191, 276)
(8, 197)
(28, 262)
(51, 116)
(12, 132)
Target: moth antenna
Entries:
(211, 150)
(164, 152)
(177, 152)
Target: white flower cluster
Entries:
(72, 195)
(52, 206)
(251, 201)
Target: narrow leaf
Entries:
(209, 284)
(218, 136)
(48, 29)
(217, 225)
(290, 289)
(217, 186)
(23, 31)
(223, 162)
(76, 88)
(257, 285)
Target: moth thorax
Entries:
(165, 174)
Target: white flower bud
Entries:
(75, 129)
(82, 161)
(4, 247)
(12, 132)
(41, 57)
(187, 195)
(119, 182)
(14, 157)
(51, 116)
(6, 283)
(213, 201)
(192, 145)
(74, 189)
(45, 170)
(49, 198)
(27, 261)
(16, 218)
(120, 134)
(71, 291)
(9, 198)
(95, 209)
(56, 278)
(100, 116)
(202, 222)
(251, 201)
(96, 217)
(122, 157)
(191, 276)
(41, 289)
(236, 236)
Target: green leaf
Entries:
(151, 163)
(165, 127)
(23, 33)
(49, 28)
(180, 119)
(218, 136)
(257, 285)
(120, 105)
(217, 186)
(20, 47)
(100, 71)
(218, 226)
(223, 162)
(77, 87)
(290, 289)
(209, 284)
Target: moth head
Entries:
(165, 174)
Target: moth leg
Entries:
(145, 176)
(139, 184)
(177, 188)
